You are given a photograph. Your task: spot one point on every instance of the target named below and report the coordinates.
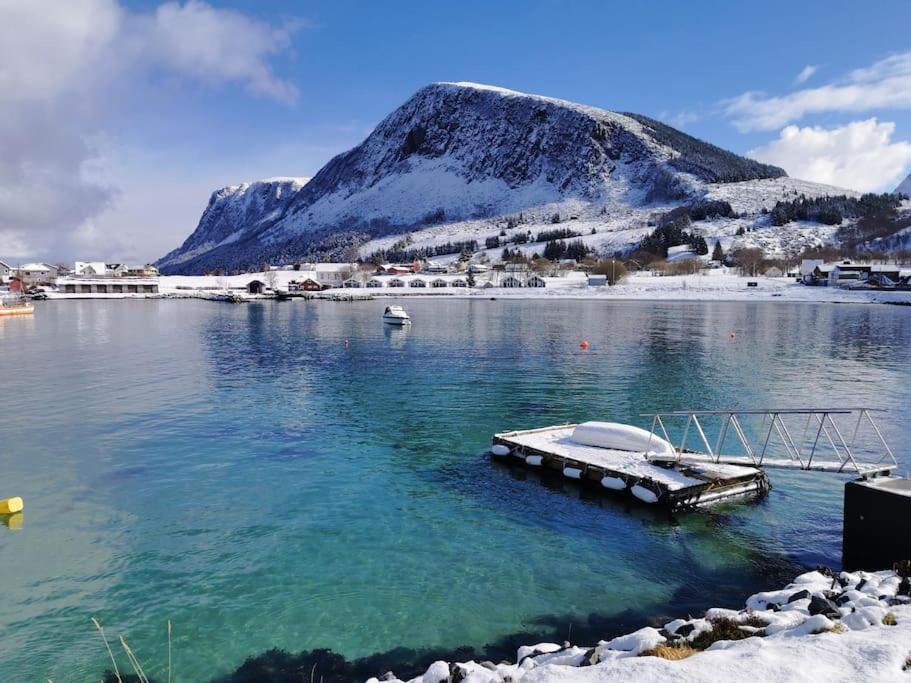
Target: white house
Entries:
(90, 268)
(330, 274)
(5, 271)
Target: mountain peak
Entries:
(453, 152)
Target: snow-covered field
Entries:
(822, 627)
(708, 286)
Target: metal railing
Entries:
(807, 453)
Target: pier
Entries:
(672, 485)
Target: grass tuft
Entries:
(755, 621)
(671, 652)
(722, 629)
(890, 620)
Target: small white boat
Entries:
(396, 315)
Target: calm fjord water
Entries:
(242, 472)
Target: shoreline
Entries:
(850, 625)
(711, 287)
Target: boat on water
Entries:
(396, 315)
(15, 305)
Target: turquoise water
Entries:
(242, 472)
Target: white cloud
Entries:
(61, 66)
(860, 155)
(217, 46)
(884, 85)
(806, 74)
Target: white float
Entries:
(644, 494)
(500, 450)
(572, 472)
(534, 460)
(613, 483)
(621, 437)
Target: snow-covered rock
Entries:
(862, 642)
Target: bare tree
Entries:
(271, 278)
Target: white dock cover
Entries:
(621, 437)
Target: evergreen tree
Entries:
(718, 252)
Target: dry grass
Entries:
(838, 628)
(755, 621)
(890, 620)
(672, 652)
(722, 629)
(140, 674)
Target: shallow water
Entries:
(242, 472)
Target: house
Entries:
(90, 268)
(808, 265)
(846, 273)
(256, 287)
(308, 284)
(32, 274)
(116, 269)
(5, 272)
(511, 281)
(819, 276)
(535, 281)
(148, 270)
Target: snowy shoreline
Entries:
(710, 286)
(822, 626)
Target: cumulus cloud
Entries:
(884, 85)
(217, 46)
(860, 155)
(60, 66)
(805, 74)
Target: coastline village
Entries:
(97, 279)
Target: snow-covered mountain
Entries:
(457, 158)
(904, 187)
(235, 211)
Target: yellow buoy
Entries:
(9, 506)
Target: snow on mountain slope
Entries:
(621, 226)
(234, 211)
(904, 187)
(462, 152)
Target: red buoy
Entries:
(583, 344)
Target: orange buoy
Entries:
(583, 344)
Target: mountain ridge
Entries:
(455, 152)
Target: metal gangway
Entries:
(822, 445)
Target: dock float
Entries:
(618, 458)
(10, 506)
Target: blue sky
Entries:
(171, 100)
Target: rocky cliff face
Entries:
(457, 151)
(234, 213)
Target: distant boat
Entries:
(396, 315)
(15, 305)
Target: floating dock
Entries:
(647, 465)
(672, 485)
